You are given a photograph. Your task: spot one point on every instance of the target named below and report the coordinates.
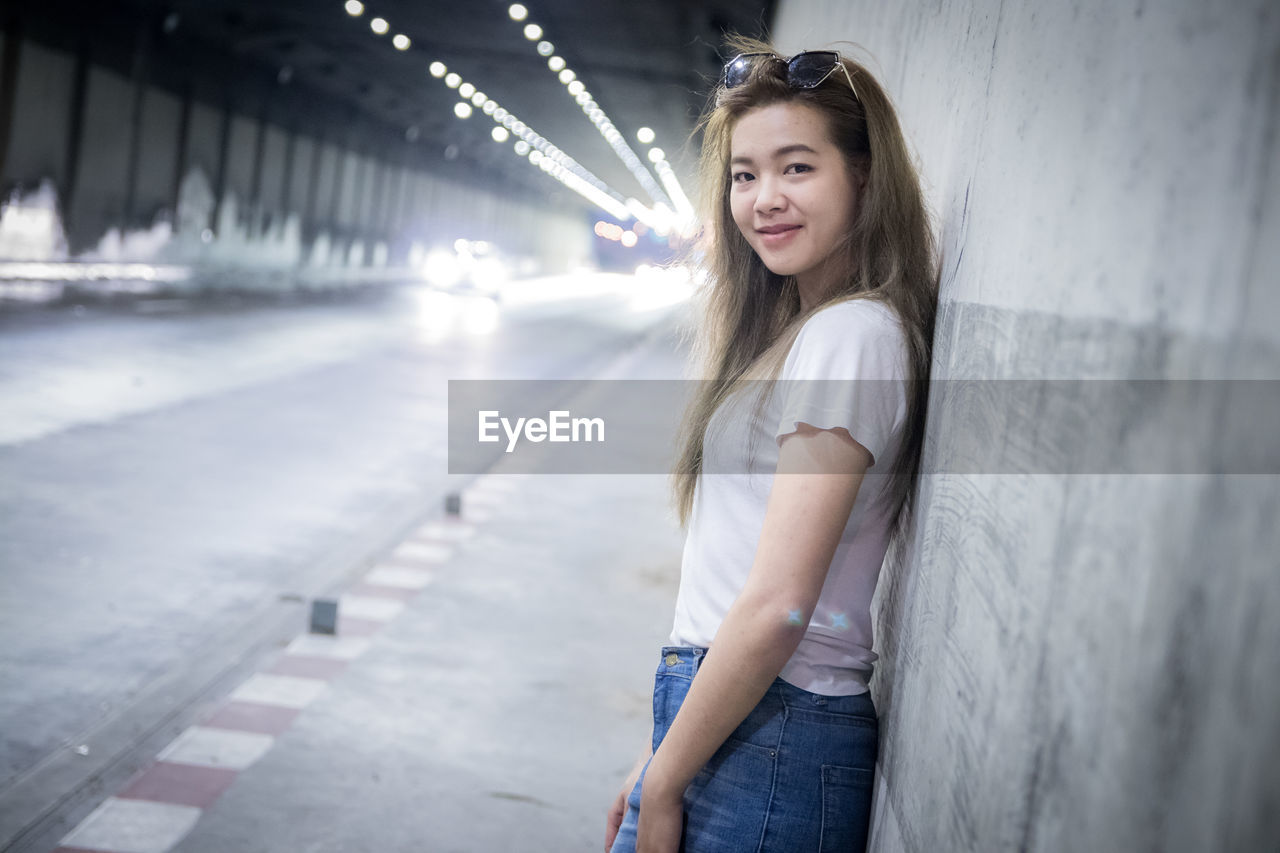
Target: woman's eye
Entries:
(740, 177)
(799, 168)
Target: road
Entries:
(178, 479)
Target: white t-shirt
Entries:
(859, 340)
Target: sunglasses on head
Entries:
(804, 70)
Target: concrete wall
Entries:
(38, 145)
(1084, 662)
(339, 184)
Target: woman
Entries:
(821, 275)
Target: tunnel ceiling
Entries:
(309, 62)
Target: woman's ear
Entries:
(861, 173)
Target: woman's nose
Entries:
(769, 195)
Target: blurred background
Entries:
(245, 246)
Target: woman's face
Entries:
(792, 193)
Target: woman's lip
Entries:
(772, 239)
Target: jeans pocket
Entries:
(846, 808)
(727, 803)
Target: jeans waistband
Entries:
(681, 660)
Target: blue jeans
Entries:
(795, 776)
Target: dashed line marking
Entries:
(209, 747)
(335, 647)
(395, 576)
(373, 609)
(285, 690)
(133, 826)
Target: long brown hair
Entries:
(751, 315)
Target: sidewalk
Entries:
(488, 689)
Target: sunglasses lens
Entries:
(809, 69)
(738, 70)
(735, 73)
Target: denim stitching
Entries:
(773, 772)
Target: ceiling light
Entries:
(379, 26)
(555, 63)
(499, 134)
(354, 8)
(535, 157)
(532, 32)
(490, 108)
(518, 12)
(645, 135)
(452, 80)
(522, 147)
(401, 41)
(479, 98)
(656, 155)
(546, 48)
(567, 76)
(576, 88)
(499, 114)
(462, 109)
(466, 90)
(437, 69)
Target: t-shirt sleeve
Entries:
(847, 368)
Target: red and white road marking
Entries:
(160, 806)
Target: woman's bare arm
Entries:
(819, 473)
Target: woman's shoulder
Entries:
(856, 316)
(852, 339)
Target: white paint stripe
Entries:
(334, 648)
(367, 607)
(483, 495)
(398, 577)
(425, 551)
(133, 826)
(498, 485)
(217, 748)
(288, 691)
(452, 531)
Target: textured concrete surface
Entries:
(1084, 662)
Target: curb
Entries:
(160, 805)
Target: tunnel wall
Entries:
(258, 172)
(1083, 662)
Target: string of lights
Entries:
(578, 91)
(664, 203)
(536, 148)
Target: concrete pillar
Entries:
(1084, 662)
(9, 61)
